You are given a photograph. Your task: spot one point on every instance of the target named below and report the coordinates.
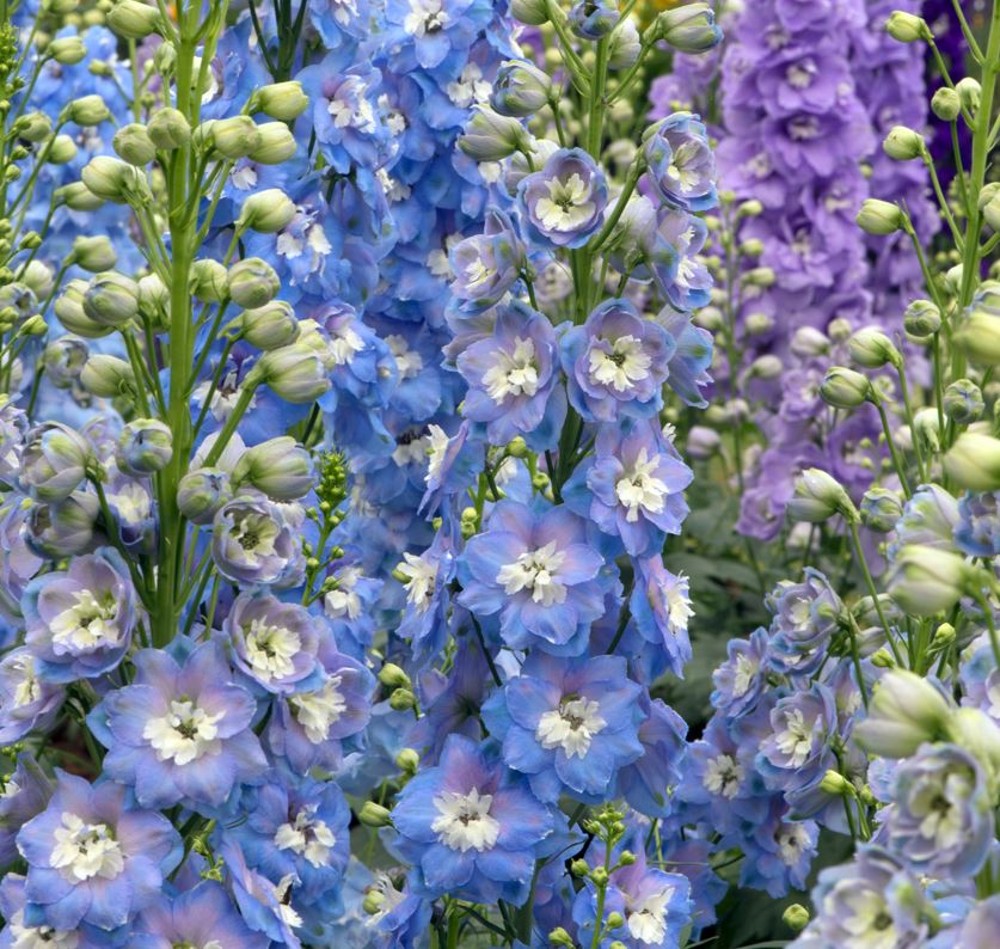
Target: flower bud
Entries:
(520, 89)
(795, 917)
(270, 326)
(904, 144)
(88, 110)
(836, 784)
(624, 47)
(402, 700)
(277, 144)
(235, 137)
(115, 180)
(844, 388)
(615, 920)
(144, 446)
(54, 462)
(593, 20)
(64, 528)
(991, 212)
(168, 129)
(209, 280)
(107, 376)
(872, 349)
(818, 496)
(963, 402)
(296, 373)
(133, 19)
(703, 442)
(69, 309)
(531, 12)
(922, 319)
(67, 50)
(93, 253)
(133, 144)
(973, 462)
(280, 467)
(491, 137)
(946, 104)
(979, 734)
(880, 509)
(374, 815)
(61, 151)
(808, 342)
(907, 27)
(926, 580)
(266, 211)
(111, 299)
(879, 217)
(284, 101)
(393, 676)
(690, 28)
(202, 492)
(905, 711)
(408, 761)
(34, 127)
(78, 197)
(252, 283)
(970, 93)
(63, 360)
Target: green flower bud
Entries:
(296, 373)
(154, 299)
(905, 711)
(69, 308)
(111, 299)
(267, 212)
(107, 376)
(978, 734)
(64, 528)
(531, 12)
(209, 280)
(34, 127)
(235, 137)
(284, 101)
(973, 462)
(970, 93)
(907, 27)
(762, 277)
(374, 815)
(615, 920)
(202, 492)
(133, 19)
(144, 446)
(927, 580)
(88, 111)
(133, 144)
(67, 50)
(844, 388)
(795, 917)
(252, 283)
(818, 497)
(921, 319)
(808, 342)
(880, 509)
(93, 253)
(168, 129)
(393, 676)
(115, 180)
(835, 783)
(64, 359)
(492, 137)
(270, 326)
(373, 902)
(165, 58)
(946, 104)
(54, 461)
(963, 402)
(521, 89)
(904, 144)
(61, 151)
(408, 761)
(872, 349)
(402, 700)
(689, 28)
(277, 144)
(78, 197)
(38, 277)
(280, 467)
(879, 217)
(624, 47)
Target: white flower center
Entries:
(536, 571)
(571, 727)
(343, 600)
(801, 75)
(132, 503)
(86, 850)
(255, 535)
(625, 365)
(795, 741)
(316, 711)
(307, 836)
(567, 206)
(938, 804)
(40, 937)
(184, 734)
(28, 688)
(791, 839)
(469, 88)
(425, 16)
(869, 920)
(86, 626)
(344, 344)
(723, 775)
(408, 361)
(647, 919)
(437, 449)
(640, 489)
(679, 609)
(743, 675)
(464, 822)
(421, 578)
(681, 171)
(271, 650)
(514, 373)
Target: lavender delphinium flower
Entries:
(681, 165)
(564, 202)
(253, 543)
